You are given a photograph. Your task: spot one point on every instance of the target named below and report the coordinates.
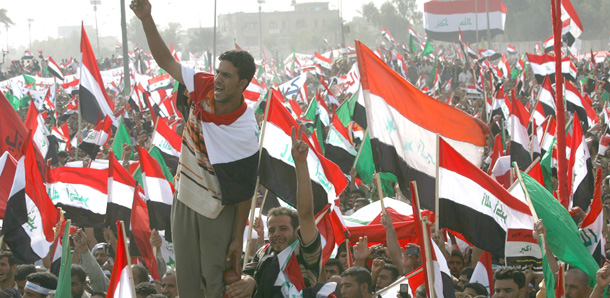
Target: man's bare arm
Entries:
(307, 220)
(158, 48)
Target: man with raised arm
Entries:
(218, 165)
(288, 229)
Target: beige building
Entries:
(302, 29)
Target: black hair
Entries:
(145, 288)
(478, 288)
(457, 253)
(361, 275)
(467, 271)
(23, 270)
(336, 263)
(341, 248)
(43, 279)
(77, 270)
(508, 272)
(243, 61)
(393, 269)
(8, 254)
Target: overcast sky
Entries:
(48, 15)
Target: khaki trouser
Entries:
(200, 248)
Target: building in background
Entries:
(302, 29)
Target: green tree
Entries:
(394, 15)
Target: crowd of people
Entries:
(208, 240)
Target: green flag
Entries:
(545, 166)
(138, 176)
(13, 100)
(121, 137)
(156, 154)
(320, 133)
(605, 96)
(29, 80)
(311, 112)
(64, 282)
(346, 110)
(432, 75)
(428, 49)
(412, 45)
(365, 166)
(561, 231)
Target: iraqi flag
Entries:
(159, 191)
(13, 132)
(54, 68)
(520, 140)
(544, 65)
(475, 205)
(443, 20)
(403, 123)
(277, 172)
(576, 104)
(40, 133)
(546, 98)
(30, 215)
(591, 229)
(339, 148)
(121, 281)
(580, 171)
(569, 16)
(81, 192)
(168, 142)
(98, 137)
(121, 189)
(511, 49)
(95, 104)
(232, 147)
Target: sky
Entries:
(47, 15)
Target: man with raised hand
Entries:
(285, 227)
(207, 224)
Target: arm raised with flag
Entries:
(158, 48)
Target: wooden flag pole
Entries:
(380, 192)
(260, 211)
(428, 249)
(436, 182)
(425, 238)
(349, 257)
(253, 203)
(366, 133)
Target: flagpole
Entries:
(436, 182)
(425, 238)
(366, 133)
(260, 211)
(546, 129)
(253, 203)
